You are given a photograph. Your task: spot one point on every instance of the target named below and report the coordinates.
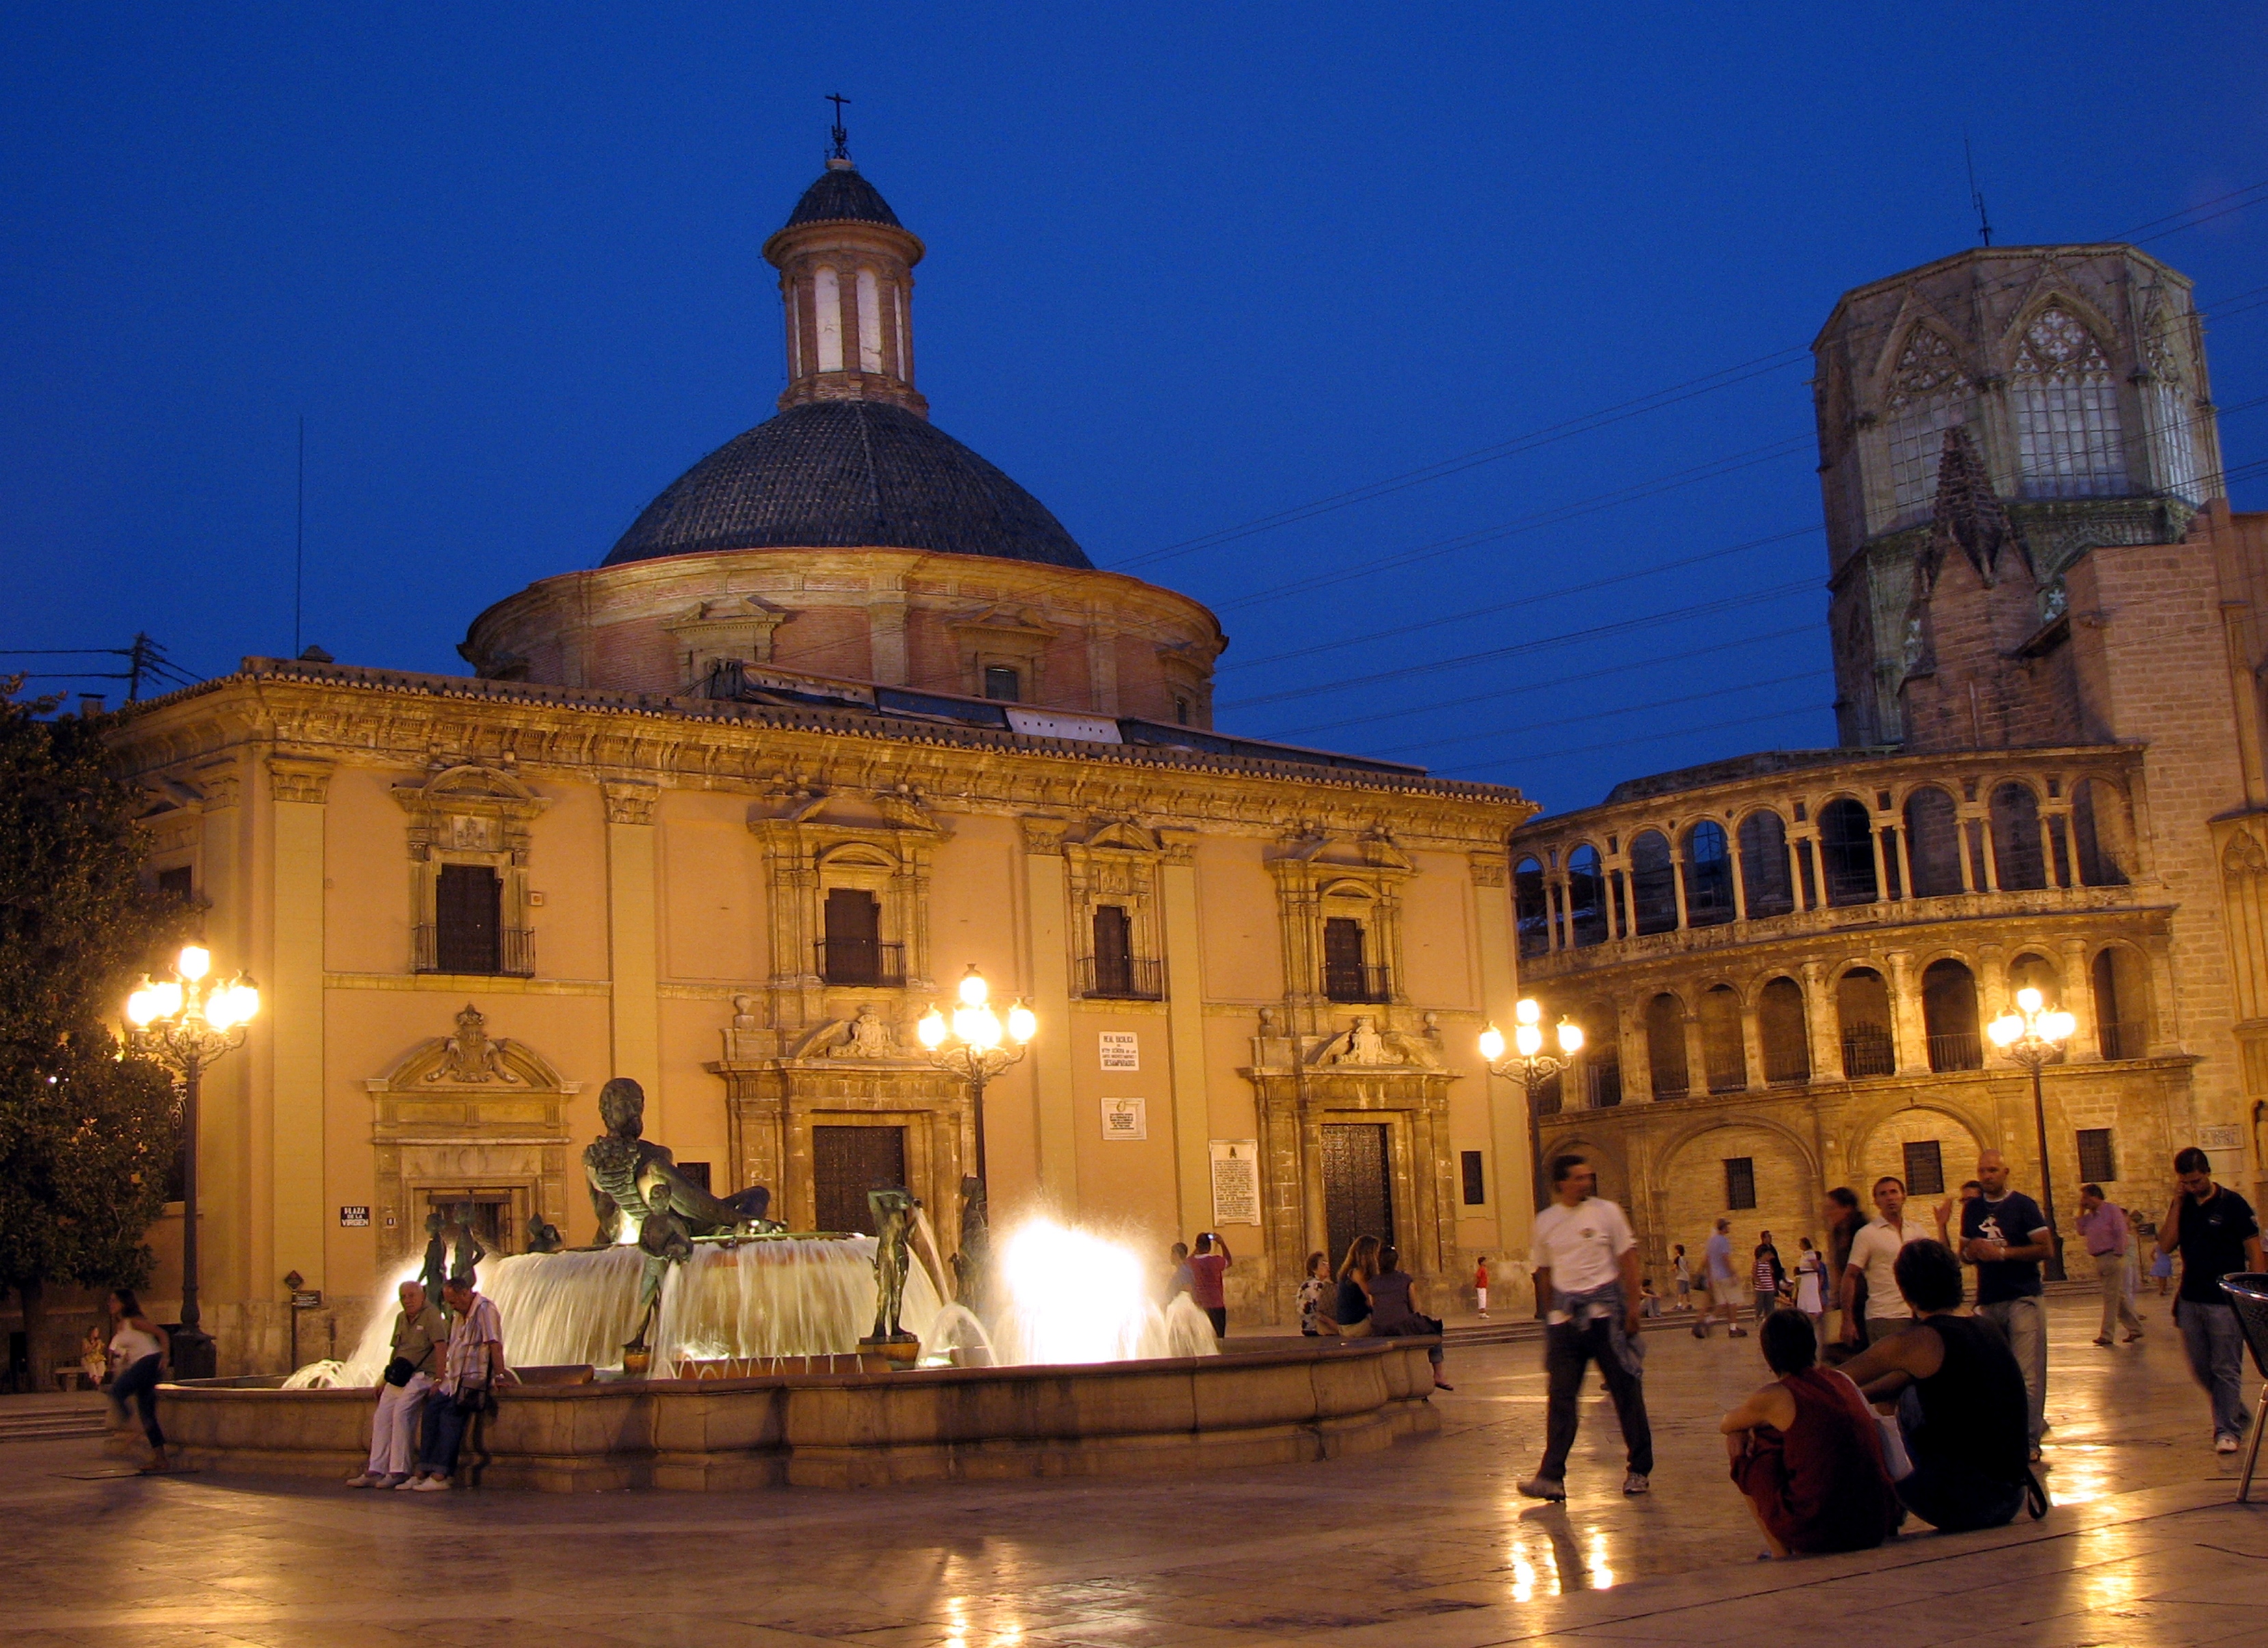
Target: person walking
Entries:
(1807, 1453)
(2006, 1236)
(1586, 1263)
(1871, 1269)
(1480, 1287)
(471, 1368)
(1963, 1413)
(420, 1332)
(1206, 1265)
(1683, 1268)
(2217, 1232)
(1811, 1287)
(1724, 1286)
(138, 1349)
(2109, 1237)
(1845, 1221)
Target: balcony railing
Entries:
(861, 961)
(1727, 1072)
(2123, 1040)
(1603, 1079)
(1867, 1050)
(1355, 981)
(1956, 1050)
(1122, 978)
(509, 954)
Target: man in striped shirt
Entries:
(472, 1367)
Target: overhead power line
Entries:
(1643, 737)
(1607, 715)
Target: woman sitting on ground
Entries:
(1393, 1316)
(1806, 1452)
(1961, 1401)
(1351, 1311)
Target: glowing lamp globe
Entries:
(1023, 1023)
(930, 1028)
(2058, 1026)
(2005, 1030)
(2030, 999)
(1491, 1044)
(194, 963)
(1528, 1010)
(1571, 1037)
(974, 991)
(142, 1005)
(1529, 1038)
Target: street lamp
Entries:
(971, 1048)
(185, 1022)
(2032, 1036)
(1533, 1069)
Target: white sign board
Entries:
(2213, 1139)
(1126, 1118)
(1121, 1050)
(354, 1219)
(1057, 723)
(1235, 1181)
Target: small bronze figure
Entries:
(543, 1236)
(893, 1212)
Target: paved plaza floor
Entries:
(1424, 1546)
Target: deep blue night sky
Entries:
(1188, 267)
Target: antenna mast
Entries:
(299, 543)
(1976, 194)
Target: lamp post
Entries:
(2030, 1036)
(1533, 1069)
(971, 1048)
(186, 1022)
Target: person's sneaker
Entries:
(407, 1484)
(2103, 1342)
(2224, 1444)
(392, 1479)
(1543, 1487)
(430, 1484)
(1737, 1333)
(1635, 1482)
(364, 1481)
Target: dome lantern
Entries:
(846, 293)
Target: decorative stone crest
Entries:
(471, 1058)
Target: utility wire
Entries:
(1643, 737)
(1608, 715)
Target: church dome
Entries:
(845, 474)
(842, 196)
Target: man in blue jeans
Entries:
(1585, 1262)
(2006, 1236)
(473, 1366)
(2217, 1232)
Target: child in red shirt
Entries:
(1480, 1283)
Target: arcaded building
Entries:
(2047, 633)
(845, 712)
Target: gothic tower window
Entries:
(2172, 418)
(1928, 394)
(2068, 443)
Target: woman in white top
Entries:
(137, 1362)
(1810, 1285)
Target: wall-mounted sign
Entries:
(354, 1219)
(1121, 1050)
(2213, 1139)
(1126, 1118)
(308, 1298)
(1235, 1181)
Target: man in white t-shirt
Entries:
(1586, 1265)
(1874, 1251)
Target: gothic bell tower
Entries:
(846, 289)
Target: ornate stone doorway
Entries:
(1357, 1184)
(847, 1162)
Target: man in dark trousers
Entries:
(2006, 1236)
(1586, 1263)
(2217, 1233)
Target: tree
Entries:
(87, 1136)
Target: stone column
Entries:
(2079, 1001)
(1051, 1053)
(293, 1015)
(1908, 1028)
(1177, 895)
(1697, 1060)
(1638, 1062)
(1740, 879)
(633, 942)
(1677, 880)
(1822, 1023)
(1752, 1046)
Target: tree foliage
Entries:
(87, 1138)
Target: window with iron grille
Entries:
(1739, 1181)
(1924, 1174)
(467, 919)
(177, 884)
(2098, 1163)
(1476, 1185)
(1001, 682)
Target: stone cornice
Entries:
(398, 718)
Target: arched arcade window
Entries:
(1721, 1048)
(1948, 1016)
(2121, 990)
(1782, 1028)
(1934, 843)
(1653, 884)
(1764, 865)
(1531, 909)
(1586, 898)
(1862, 1012)
(1708, 876)
(1846, 847)
(2017, 852)
(1665, 1046)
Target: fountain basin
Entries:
(1307, 1400)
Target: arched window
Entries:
(2066, 409)
(827, 312)
(1708, 876)
(1764, 865)
(1721, 1051)
(1846, 846)
(1862, 1012)
(1602, 1054)
(2122, 1004)
(1654, 883)
(1933, 840)
(870, 322)
(1928, 394)
(1531, 911)
(1948, 1016)
(1665, 1046)
(1781, 1027)
(2172, 417)
(2034, 971)
(1586, 898)
(2098, 832)
(2016, 839)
